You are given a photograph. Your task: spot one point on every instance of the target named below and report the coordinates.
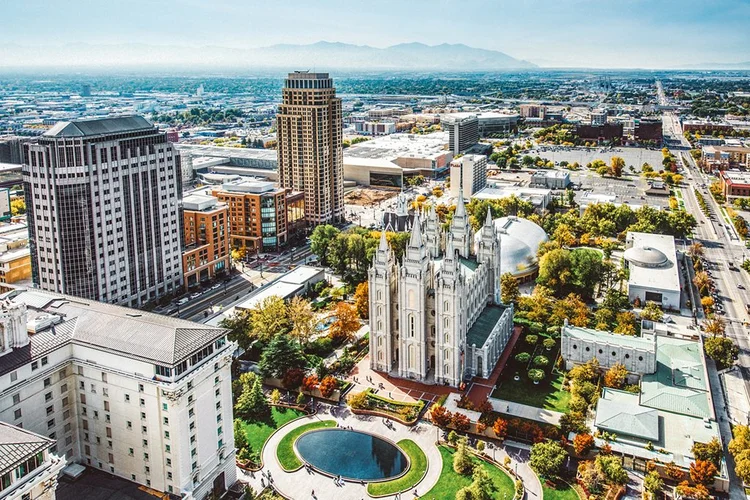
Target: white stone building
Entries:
(138, 395)
(468, 174)
(654, 275)
(580, 345)
(436, 316)
(27, 468)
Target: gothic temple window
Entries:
(411, 325)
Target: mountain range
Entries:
(321, 55)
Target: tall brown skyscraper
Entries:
(309, 144)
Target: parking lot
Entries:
(634, 157)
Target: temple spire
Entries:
(416, 233)
(488, 219)
(460, 206)
(383, 241)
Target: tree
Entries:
(302, 319)
(711, 451)
(616, 165)
(740, 440)
(583, 443)
(547, 459)
(481, 487)
(269, 318)
(338, 253)
(293, 378)
(327, 386)
(586, 267)
(538, 305)
(722, 350)
(696, 250)
(674, 472)
(715, 326)
(17, 207)
(652, 312)
(240, 438)
(536, 375)
(500, 427)
(460, 422)
(239, 328)
(571, 308)
(573, 422)
(626, 323)
(252, 403)
(586, 372)
(653, 483)
(616, 376)
(541, 361)
(275, 396)
(440, 416)
(346, 323)
(508, 288)
(310, 383)
(611, 467)
(555, 271)
(358, 400)
(279, 356)
(362, 299)
(703, 472)
(320, 239)
(462, 463)
(702, 282)
(698, 492)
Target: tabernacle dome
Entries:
(520, 240)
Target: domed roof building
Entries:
(520, 240)
(653, 269)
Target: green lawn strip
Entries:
(564, 492)
(417, 469)
(548, 394)
(285, 451)
(258, 432)
(450, 482)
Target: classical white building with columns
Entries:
(436, 316)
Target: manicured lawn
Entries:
(564, 492)
(450, 482)
(285, 451)
(258, 432)
(418, 466)
(548, 394)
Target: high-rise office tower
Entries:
(103, 210)
(463, 132)
(309, 130)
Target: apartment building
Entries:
(262, 217)
(27, 468)
(468, 175)
(309, 133)
(734, 183)
(206, 225)
(141, 396)
(103, 210)
(463, 131)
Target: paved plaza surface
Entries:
(301, 484)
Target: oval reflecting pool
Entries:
(351, 454)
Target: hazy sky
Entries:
(594, 33)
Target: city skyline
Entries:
(635, 34)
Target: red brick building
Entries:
(734, 183)
(206, 236)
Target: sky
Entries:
(559, 33)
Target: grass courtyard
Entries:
(450, 482)
(563, 492)
(418, 466)
(548, 394)
(258, 432)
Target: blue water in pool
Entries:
(351, 454)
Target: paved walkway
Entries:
(300, 484)
(525, 411)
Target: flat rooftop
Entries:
(394, 146)
(736, 176)
(535, 196)
(226, 152)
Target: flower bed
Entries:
(368, 403)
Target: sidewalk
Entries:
(525, 411)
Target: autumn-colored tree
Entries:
(269, 318)
(626, 322)
(481, 427)
(460, 422)
(699, 492)
(293, 378)
(301, 319)
(346, 324)
(715, 326)
(674, 472)
(583, 443)
(440, 416)
(708, 303)
(362, 300)
(702, 281)
(703, 472)
(586, 372)
(616, 376)
(500, 427)
(309, 383)
(327, 386)
(509, 288)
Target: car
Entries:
(740, 286)
(195, 295)
(216, 286)
(183, 301)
